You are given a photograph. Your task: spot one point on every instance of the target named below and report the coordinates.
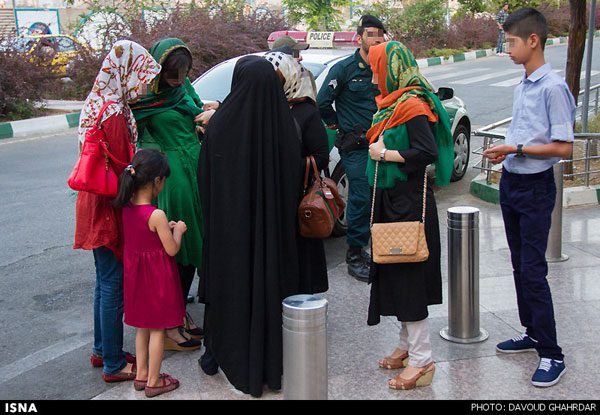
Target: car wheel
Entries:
(462, 150)
(340, 178)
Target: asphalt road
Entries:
(46, 301)
(486, 85)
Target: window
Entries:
(64, 44)
(215, 84)
(315, 68)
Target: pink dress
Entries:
(151, 287)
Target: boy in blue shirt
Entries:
(541, 133)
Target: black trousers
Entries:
(527, 201)
(186, 276)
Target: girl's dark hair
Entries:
(146, 166)
(177, 61)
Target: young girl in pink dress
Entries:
(152, 291)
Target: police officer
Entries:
(348, 84)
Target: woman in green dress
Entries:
(166, 120)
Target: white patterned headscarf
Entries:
(127, 66)
(298, 81)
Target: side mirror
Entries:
(445, 93)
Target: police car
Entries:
(327, 49)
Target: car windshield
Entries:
(315, 68)
(21, 44)
(215, 84)
(65, 44)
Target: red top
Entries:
(97, 222)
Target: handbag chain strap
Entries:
(375, 189)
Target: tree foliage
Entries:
(316, 14)
(424, 19)
(473, 6)
(214, 32)
(494, 6)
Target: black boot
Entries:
(208, 363)
(357, 266)
(366, 257)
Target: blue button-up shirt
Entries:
(543, 112)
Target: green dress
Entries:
(166, 122)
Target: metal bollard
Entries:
(305, 347)
(463, 277)
(554, 249)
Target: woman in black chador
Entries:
(301, 96)
(247, 175)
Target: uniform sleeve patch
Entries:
(333, 83)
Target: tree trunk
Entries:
(576, 48)
(575, 52)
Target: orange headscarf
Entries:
(406, 109)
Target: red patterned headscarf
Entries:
(126, 67)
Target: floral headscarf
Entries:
(298, 82)
(405, 94)
(127, 66)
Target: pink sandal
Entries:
(152, 391)
(140, 385)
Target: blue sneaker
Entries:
(518, 344)
(548, 372)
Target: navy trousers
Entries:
(358, 208)
(527, 201)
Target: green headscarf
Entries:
(182, 98)
(397, 70)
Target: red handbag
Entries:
(93, 171)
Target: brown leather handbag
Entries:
(321, 205)
(399, 242)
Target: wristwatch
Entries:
(382, 154)
(520, 150)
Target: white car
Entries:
(215, 85)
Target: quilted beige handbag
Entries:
(398, 242)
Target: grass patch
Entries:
(445, 52)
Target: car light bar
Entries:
(323, 40)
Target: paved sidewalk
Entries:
(473, 371)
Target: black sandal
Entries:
(197, 332)
(188, 345)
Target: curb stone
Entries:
(41, 125)
(482, 53)
(460, 57)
